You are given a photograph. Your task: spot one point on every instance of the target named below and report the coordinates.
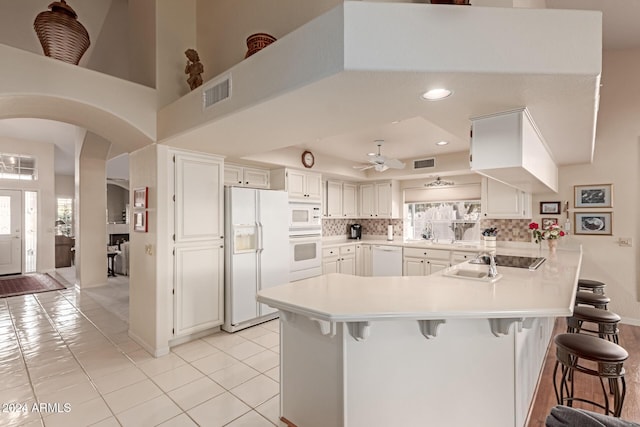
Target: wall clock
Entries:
(308, 159)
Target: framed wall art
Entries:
(593, 223)
(140, 221)
(141, 198)
(548, 222)
(550, 208)
(593, 196)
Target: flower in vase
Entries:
(550, 232)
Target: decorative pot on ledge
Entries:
(458, 2)
(258, 41)
(61, 35)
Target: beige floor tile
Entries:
(214, 362)
(194, 350)
(251, 419)
(150, 413)
(195, 393)
(139, 356)
(60, 382)
(177, 377)
(181, 420)
(263, 361)
(21, 416)
(82, 415)
(224, 340)
(234, 375)
(253, 332)
(17, 394)
(73, 395)
(257, 390)
(14, 379)
(109, 422)
(268, 340)
(119, 380)
(44, 371)
(133, 395)
(162, 364)
(244, 350)
(218, 411)
(271, 409)
(274, 373)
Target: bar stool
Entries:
(591, 285)
(595, 300)
(571, 350)
(606, 321)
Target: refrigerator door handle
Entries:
(260, 237)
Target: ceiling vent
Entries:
(217, 93)
(425, 163)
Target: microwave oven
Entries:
(305, 215)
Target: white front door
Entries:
(10, 232)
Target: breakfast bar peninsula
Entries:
(454, 348)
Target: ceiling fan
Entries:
(379, 162)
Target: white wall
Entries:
(142, 42)
(616, 161)
(45, 186)
(65, 186)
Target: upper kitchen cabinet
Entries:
(380, 200)
(508, 147)
(504, 201)
(341, 200)
(241, 176)
(301, 185)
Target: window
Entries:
(19, 167)
(64, 219)
(459, 220)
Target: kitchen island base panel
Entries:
(396, 376)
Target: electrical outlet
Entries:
(148, 249)
(625, 241)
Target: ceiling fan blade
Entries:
(363, 167)
(395, 164)
(381, 167)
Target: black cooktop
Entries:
(516, 261)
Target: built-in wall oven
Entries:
(305, 253)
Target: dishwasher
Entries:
(386, 261)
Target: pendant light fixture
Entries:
(61, 35)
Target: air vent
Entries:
(424, 163)
(217, 93)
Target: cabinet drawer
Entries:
(347, 250)
(458, 257)
(329, 252)
(427, 253)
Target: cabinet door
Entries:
(232, 175)
(502, 201)
(349, 200)
(437, 266)
(313, 183)
(367, 200)
(296, 184)
(383, 197)
(334, 199)
(330, 265)
(348, 265)
(413, 266)
(256, 178)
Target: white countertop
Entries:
(548, 291)
(459, 246)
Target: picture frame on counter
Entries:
(593, 196)
(593, 223)
(548, 222)
(550, 208)
(140, 223)
(141, 198)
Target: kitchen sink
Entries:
(479, 275)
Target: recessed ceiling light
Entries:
(371, 154)
(442, 142)
(436, 94)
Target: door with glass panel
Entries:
(10, 232)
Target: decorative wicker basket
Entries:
(61, 35)
(258, 41)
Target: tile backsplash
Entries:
(510, 230)
(340, 227)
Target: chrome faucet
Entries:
(493, 269)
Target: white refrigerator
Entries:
(256, 253)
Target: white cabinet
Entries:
(503, 201)
(422, 262)
(240, 176)
(380, 200)
(301, 185)
(363, 259)
(458, 257)
(339, 259)
(341, 200)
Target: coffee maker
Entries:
(355, 231)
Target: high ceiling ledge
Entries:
(364, 63)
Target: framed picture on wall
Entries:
(140, 198)
(140, 221)
(548, 222)
(550, 208)
(593, 223)
(593, 196)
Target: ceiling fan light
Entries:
(442, 143)
(436, 94)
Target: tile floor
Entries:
(67, 361)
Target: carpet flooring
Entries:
(28, 284)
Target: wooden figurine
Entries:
(194, 68)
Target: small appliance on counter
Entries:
(355, 231)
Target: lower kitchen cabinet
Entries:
(340, 259)
(423, 262)
(363, 259)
